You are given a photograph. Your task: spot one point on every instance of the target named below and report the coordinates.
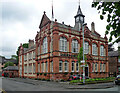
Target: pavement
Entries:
(67, 85)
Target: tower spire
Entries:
(52, 12)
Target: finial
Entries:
(79, 2)
(44, 12)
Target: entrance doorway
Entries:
(86, 71)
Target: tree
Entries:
(80, 58)
(13, 57)
(112, 10)
(8, 64)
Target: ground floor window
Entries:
(46, 66)
(66, 66)
(100, 67)
(104, 67)
(60, 66)
(39, 67)
(33, 68)
(73, 66)
(119, 69)
(92, 67)
(77, 66)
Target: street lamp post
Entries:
(83, 25)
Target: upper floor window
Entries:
(74, 46)
(102, 53)
(94, 49)
(45, 45)
(100, 67)
(63, 44)
(86, 47)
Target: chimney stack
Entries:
(31, 43)
(92, 26)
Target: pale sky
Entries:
(20, 19)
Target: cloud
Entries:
(21, 19)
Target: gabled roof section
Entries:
(44, 20)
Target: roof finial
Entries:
(79, 2)
(52, 11)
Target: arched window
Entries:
(74, 46)
(102, 50)
(94, 49)
(45, 45)
(86, 47)
(63, 44)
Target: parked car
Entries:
(117, 80)
(75, 77)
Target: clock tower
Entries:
(79, 19)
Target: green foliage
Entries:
(94, 80)
(13, 57)
(8, 64)
(80, 56)
(112, 10)
(25, 45)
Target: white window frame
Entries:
(86, 47)
(45, 45)
(60, 66)
(118, 69)
(104, 67)
(39, 50)
(39, 67)
(52, 66)
(73, 66)
(77, 66)
(102, 53)
(119, 60)
(63, 44)
(93, 67)
(46, 66)
(33, 68)
(100, 67)
(96, 67)
(42, 68)
(66, 66)
(74, 46)
(94, 49)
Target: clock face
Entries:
(77, 19)
(81, 18)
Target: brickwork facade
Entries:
(56, 48)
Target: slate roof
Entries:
(113, 54)
(11, 68)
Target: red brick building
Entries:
(54, 53)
